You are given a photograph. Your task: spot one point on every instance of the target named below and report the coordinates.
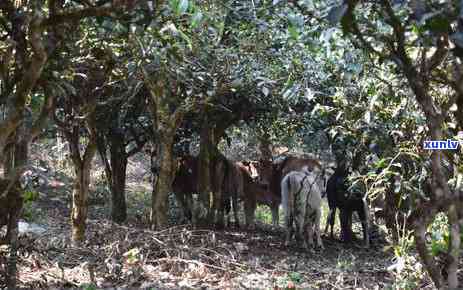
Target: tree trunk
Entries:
(118, 176)
(391, 211)
(16, 161)
(11, 272)
(164, 182)
(82, 167)
(80, 202)
(165, 123)
(453, 254)
(204, 171)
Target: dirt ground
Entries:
(131, 255)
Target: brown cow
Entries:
(223, 185)
(257, 193)
(253, 193)
(272, 173)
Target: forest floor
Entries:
(131, 255)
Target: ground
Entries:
(131, 255)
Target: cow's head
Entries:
(265, 172)
(186, 164)
(251, 168)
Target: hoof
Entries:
(310, 250)
(251, 227)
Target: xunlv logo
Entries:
(445, 145)
(441, 145)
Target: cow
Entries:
(301, 199)
(339, 196)
(254, 193)
(222, 180)
(232, 189)
(271, 173)
(185, 183)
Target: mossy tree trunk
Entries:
(82, 158)
(164, 183)
(166, 120)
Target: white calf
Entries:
(301, 199)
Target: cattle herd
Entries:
(297, 183)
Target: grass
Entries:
(264, 215)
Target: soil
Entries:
(132, 255)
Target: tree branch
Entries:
(46, 111)
(28, 81)
(79, 13)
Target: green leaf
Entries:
(438, 24)
(196, 19)
(293, 32)
(186, 38)
(173, 4)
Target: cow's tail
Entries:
(287, 198)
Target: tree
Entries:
(31, 34)
(416, 37)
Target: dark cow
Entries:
(272, 173)
(186, 183)
(339, 197)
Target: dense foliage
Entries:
(365, 82)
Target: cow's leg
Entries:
(306, 233)
(366, 236)
(300, 224)
(219, 213)
(220, 218)
(275, 216)
(316, 226)
(344, 220)
(190, 206)
(289, 218)
(250, 205)
(364, 218)
(235, 210)
(310, 233)
(227, 212)
(183, 203)
(333, 218)
(330, 221)
(346, 225)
